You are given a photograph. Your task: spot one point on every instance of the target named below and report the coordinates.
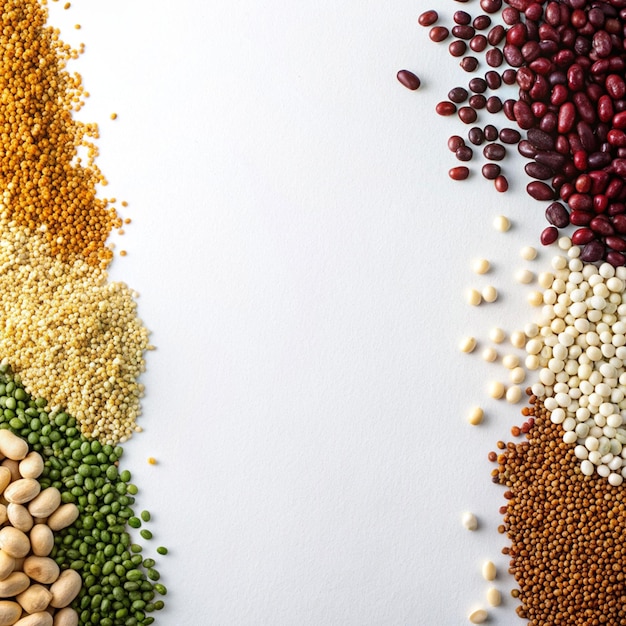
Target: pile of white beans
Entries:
(579, 350)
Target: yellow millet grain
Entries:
(73, 336)
(46, 156)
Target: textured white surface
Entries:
(302, 259)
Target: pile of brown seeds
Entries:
(566, 530)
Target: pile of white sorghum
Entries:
(579, 349)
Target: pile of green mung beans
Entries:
(120, 586)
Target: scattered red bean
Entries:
(476, 135)
(494, 152)
(510, 136)
(491, 171)
(464, 153)
(408, 79)
(457, 48)
(469, 64)
(467, 115)
(491, 132)
(458, 95)
(540, 191)
(490, 6)
(428, 18)
(445, 108)
(478, 101)
(455, 142)
(478, 43)
(459, 173)
(481, 22)
(549, 235)
(501, 184)
(494, 57)
(494, 104)
(438, 33)
(462, 17)
(496, 35)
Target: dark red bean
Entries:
(540, 191)
(548, 123)
(445, 108)
(557, 215)
(463, 32)
(490, 6)
(490, 132)
(602, 226)
(583, 185)
(494, 152)
(459, 173)
(462, 17)
(457, 48)
(582, 236)
(614, 188)
(520, 5)
(455, 142)
(458, 95)
(619, 223)
(513, 55)
(602, 44)
(538, 171)
(478, 43)
(553, 160)
(616, 137)
(496, 35)
(534, 12)
(501, 184)
(510, 136)
(508, 106)
(541, 66)
(605, 109)
(560, 95)
(510, 16)
(476, 136)
(586, 109)
(478, 101)
(428, 18)
(494, 104)
(616, 208)
(509, 76)
(580, 202)
(616, 243)
(478, 85)
(615, 86)
(540, 139)
(464, 153)
(494, 57)
(517, 35)
(491, 171)
(467, 115)
(549, 235)
(523, 115)
(408, 79)
(469, 64)
(592, 252)
(481, 22)
(438, 33)
(493, 80)
(525, 78)
(566, 118)
(600, 203)
(580, 218)
(616, 259)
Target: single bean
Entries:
(580, 202)
(616, 243)
(540, 139)
(490, 6)
(476, 135)
(408, 79)
(496, 35)
(464, 153)
(494, 104)
(602, 226)
(510, 16)
(508, 106)
(538, 171)
(540, 191)
(467, 115)
(438, 33)
(469, 64)
(582, 236)
(455, 142)
(494, 152)
(457, 48)
(456, 173)
(549, 235)
(616, 259)
(428, 18)
(458, 95)
(580, 218)
(478, 85)
(509, 76)
(552, 159)
(557, 215)
(517, 35)
(513, 55)
(493, 80)
(491, 171)
(501, 184)
(490, 132)
(463, 32)
(481, 22)
(462, 17)
(478, 43)
(510, 136)
(523, 115)
(494, 57)
(445, 108)
(592, 252)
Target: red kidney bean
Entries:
(478, 85)
(494, 152)
(493, 80)
(580, 160)
(614, 188)
(618, 166)
(494, 104)
(445, 108)
(490, 132)
(490, 6)
(557, 215)
(548, 123)
(510, 136)
(408, 79)
(469, 64)
(619, 120)
(477, 101)
(513, 55)
(540, 139)
(510, 16)
(592, 252)
(580, 218)
(549, 235)
(616, 259)
(552, 159)
(496, 35)
(464, 153)
(566, 117)
(478, 43)
(458, 95)
(616, 138)
(558, 181)
(520, 5)
(541, 66)
(616, 208)
(559, 95)
(600, 203)
(587, 138)
(491, 171)
(523, 115)
(605, 109)
(462, 17)
(538, 171)
(616, 243)
(517, 35)
(509, 76)
(582, 236)
(501, 183)
(598, 160)
(615, 86)
(619, 223)
(459, 173)
(586, 109)
(540, 191)
(467, 115)
(476, 136)
(526, 149)
(463, 32)
(508, 106)
(531, 51)
(455, 142)
(457, 48)
(575, 77)
(481, 22)
(539, 109)
(602, 43)
(438, 33)
(580, 202)
(534, 12)
(601, 225)
(599, 179)
(428, 18)
(525, 78)
(583, 185)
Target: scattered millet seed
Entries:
(480, 266)
(114, 117)
(123, 253)
(67, 5)
(501, 223)
(528, 253)
(77, 26)
(473, 297)
(489, 354)
(489, 293)
(497, 335)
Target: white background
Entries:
(302, 257)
